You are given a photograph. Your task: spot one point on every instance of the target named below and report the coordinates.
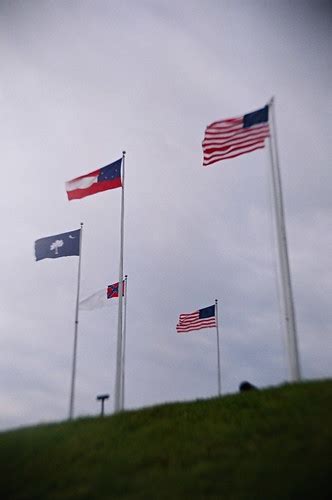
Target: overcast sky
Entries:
(82, 80)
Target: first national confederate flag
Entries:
(104, 178)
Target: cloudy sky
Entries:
(81, 80)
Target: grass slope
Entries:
(271, 444)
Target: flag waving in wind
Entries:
(235, 136)
(101, 297)
(95, 301)
(59, 245)
(197, 320)
(113, 290)
(105, 178)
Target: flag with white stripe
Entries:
(235, 136)
(197, 320)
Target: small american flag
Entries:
(203, 318)
(236, 136)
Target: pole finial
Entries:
(123, 153)
(82, 224)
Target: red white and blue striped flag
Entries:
(235, 136)
(197, 320)
(104, 178)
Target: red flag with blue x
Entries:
(113, 290)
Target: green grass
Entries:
(271, 444)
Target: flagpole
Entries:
(73, 373)
(286, 284)
(124, 342)
(218, 348)
(117, 392)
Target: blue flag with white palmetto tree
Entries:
(59, 245)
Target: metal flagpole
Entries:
(124, 343)
(117, 392)
(286, 284)
(218, 349)
(73, 373)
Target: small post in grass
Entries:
(102, 398)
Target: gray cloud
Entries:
(84, 80)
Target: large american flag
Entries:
(236, 136)
(197, 320)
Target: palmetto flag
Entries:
(59, 245)
(197, 320)
(236, 136)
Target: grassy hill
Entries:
(271, 444)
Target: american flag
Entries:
(203, 318)
(236, 136)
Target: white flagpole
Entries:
(124, 343)
(218, 349)
(117, 392)
(73, 373)
(286, 284)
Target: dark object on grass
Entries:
(102, 398)
(247, 386)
